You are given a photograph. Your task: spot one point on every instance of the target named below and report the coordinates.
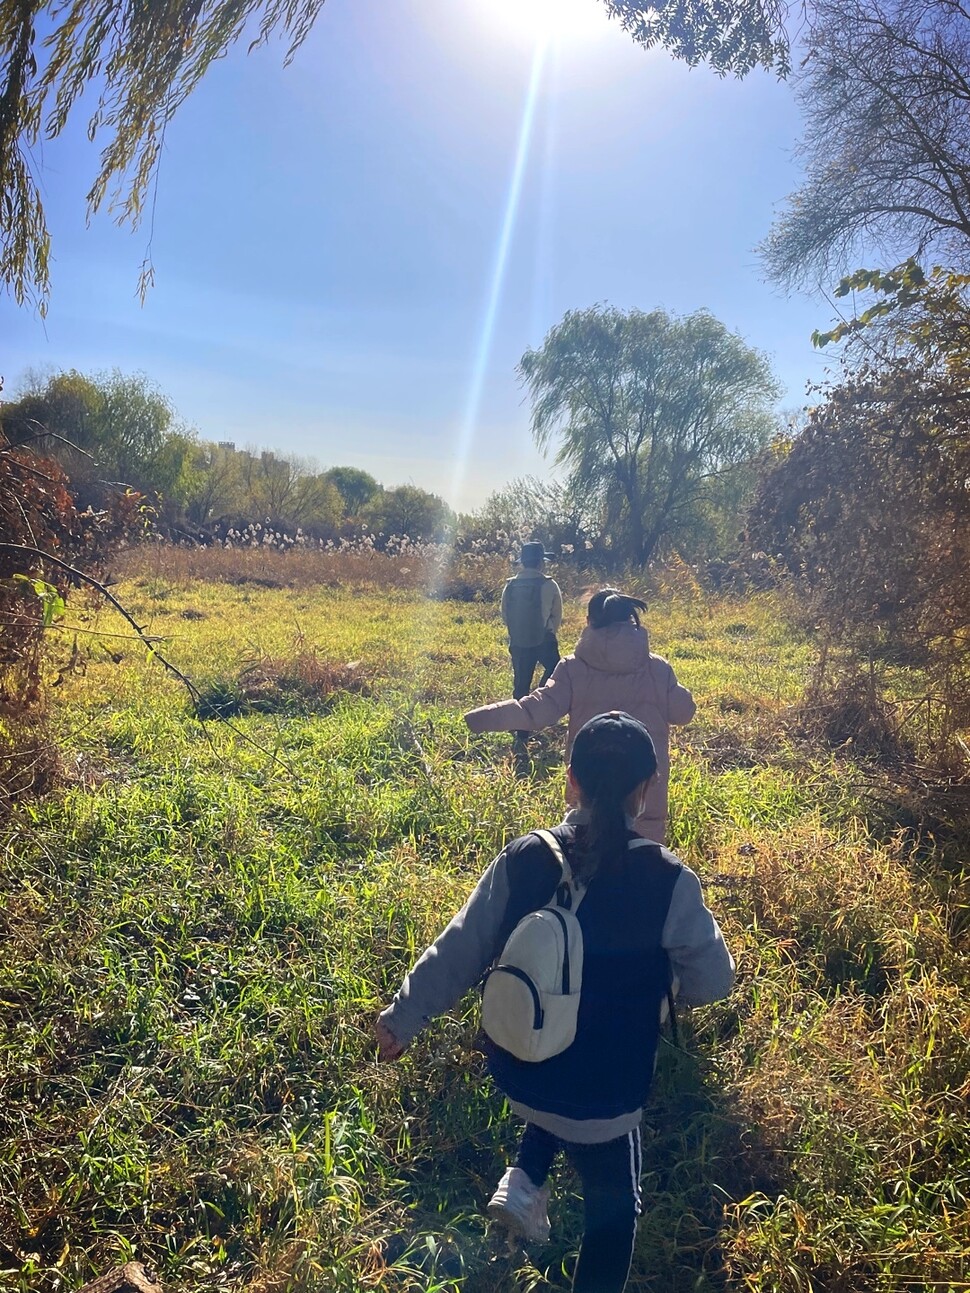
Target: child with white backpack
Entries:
(581, 933)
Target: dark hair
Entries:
(612, 755)
(610, 606)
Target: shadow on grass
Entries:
(697, 1161)
(538, 756)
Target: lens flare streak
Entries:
(500, 264)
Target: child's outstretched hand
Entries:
(388, 1047)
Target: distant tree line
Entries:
(658, 422)
(114, 431)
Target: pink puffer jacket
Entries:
(612, 668)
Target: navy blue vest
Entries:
(608, 1069)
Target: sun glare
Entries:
(561, 20)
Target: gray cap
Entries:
(534, 554)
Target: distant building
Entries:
(226, 444)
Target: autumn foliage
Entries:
(38, 516)
(869, 507)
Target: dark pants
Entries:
(524, 661)
(610, 1176)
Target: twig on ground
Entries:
(149, 642)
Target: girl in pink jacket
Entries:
(611, 669)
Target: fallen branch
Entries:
(130, 1278)
(148, 642)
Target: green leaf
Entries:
(53, 603)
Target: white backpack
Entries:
(530, 996)
(530, 999)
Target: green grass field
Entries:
(197, 930)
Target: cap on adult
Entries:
(534, 554)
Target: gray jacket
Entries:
(470, 943)
(551, 598)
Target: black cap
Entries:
(612, 753)
(533, 554)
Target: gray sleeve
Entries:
(552, 605)
(455, 961)
(698, 955)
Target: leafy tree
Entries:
(133, 432)
(167, 472)
(528, 507)
(133, 65)
(137, 63)
(324, 506)
(211, 482)
(869, 507)
(647, 409)
(408, 510)
(886, 150)
(288, 492)
(712, 528)
(56, 415)
(355, 487)
(107, 430)
(731, 35)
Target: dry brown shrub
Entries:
(272, 683)
(38, 516)
(304, 683)
(462, 576)
(29, 760)
(848, 714)
(748, 744)
(867, 509)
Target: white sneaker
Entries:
(521, 1206)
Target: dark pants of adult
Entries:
(524, 661)
(610, 1176)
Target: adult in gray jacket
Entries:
(532, 615)
(644, 925)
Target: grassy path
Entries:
(195, 935)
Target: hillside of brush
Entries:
(200, 920)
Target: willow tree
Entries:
(136, 61)
(646, 410)
(885, 89)
(730, 36)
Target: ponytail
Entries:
(605, 839)
(611, 755)
(610, 606)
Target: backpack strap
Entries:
(576, 895)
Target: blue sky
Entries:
(327, 236)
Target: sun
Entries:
(559, 20)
